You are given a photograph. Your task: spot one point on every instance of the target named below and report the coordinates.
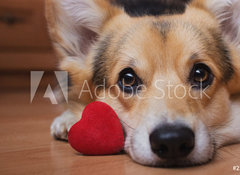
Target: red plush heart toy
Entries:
(99, 132)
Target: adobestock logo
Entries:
(164, 89)
(62, 80)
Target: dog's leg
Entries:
(62, 124)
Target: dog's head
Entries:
(168, 69)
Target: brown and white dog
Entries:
(169, 68)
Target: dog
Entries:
(169, 68)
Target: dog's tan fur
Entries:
(155, 51)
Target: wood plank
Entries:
(20, 80)
(26, 147)
(12, 61)
(23, 25)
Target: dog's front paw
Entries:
(62, 124)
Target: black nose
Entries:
(172, 141)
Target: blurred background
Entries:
(24, 45)
(26, 146)
(24, 125)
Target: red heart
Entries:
(99, 132)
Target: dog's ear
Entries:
(74, 26)
(227, 13)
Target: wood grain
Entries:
(26, 146)
(24, 41)
(20, 80)
(29, 29)
(15, 61)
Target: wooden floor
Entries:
(26, 146)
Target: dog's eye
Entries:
(128, 81)
(201, 76)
